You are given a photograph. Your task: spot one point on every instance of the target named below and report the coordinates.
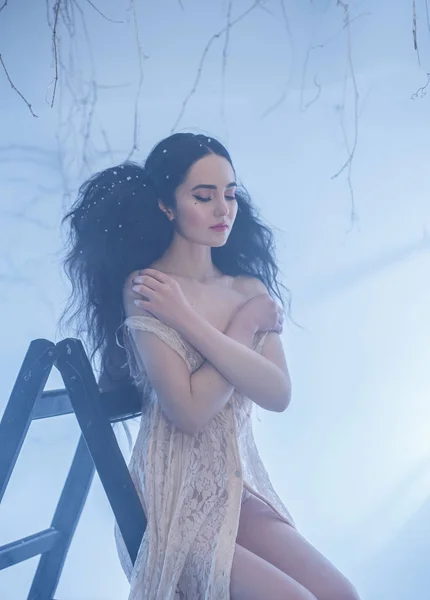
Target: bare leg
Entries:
(253, 578)
(265, 535)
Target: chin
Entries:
(212, 243)
(218, 243)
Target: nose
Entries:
(221, 208)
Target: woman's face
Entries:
(206, 198)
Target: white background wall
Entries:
(351, 455)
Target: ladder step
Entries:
(32, 545)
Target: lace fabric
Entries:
(190, 486)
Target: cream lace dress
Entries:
(190, 487)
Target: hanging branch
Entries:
(215, 36)
(13, 86)
(346, 24)
(427, 14)
(54, 43)
(224, 61)
(289, 80)
(348, 163)
(308, 55)
(141, 57)
(87, 104)
(102, 14)
(422, 91)
(414, 30)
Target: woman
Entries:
(177, 273)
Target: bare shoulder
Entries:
(128, 297)
(249, 286)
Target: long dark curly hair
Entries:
(117, 227)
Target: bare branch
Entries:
(215, 36)
(284, 94)
(4, 5)
(348, 163)
(320, 47)
(422, 91)
(141, 57)
(103, 15)
(224, 60)
(107, 143)
(427, 14)
(308, 55)
(89, 100)
(54, 42)
(317, 95)
(48, 16)
(414, 30)
(15, 88)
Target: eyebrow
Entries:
(212, 187)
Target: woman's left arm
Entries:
(262, 378)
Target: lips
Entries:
(220, 227)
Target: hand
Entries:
(262, 313)
(161, 295)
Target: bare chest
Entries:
(216, 302)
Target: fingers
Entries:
(155, 274)
(147, 279)
(145, 304)
(146, 288)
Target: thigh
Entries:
(253, 578)
(263, 533)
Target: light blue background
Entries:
(351, 455)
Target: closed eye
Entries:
(210, 198)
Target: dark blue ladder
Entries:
(97, 449)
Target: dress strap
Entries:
(167, 334)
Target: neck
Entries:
(188, 260)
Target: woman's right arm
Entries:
(189, 401)
(210, 390)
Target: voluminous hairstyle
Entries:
(117, 227)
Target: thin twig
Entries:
(101, 14)
(329, 40)
(15, 88)
(89, 101)
(317, 95)
(308, 54)
(141, 57)
(427, 15)
(422, 91)
(214, 37)
(54, 41)
(348, 163)
(107, 144)
(284, 94)
(48, 15)
(4, 5)
(224, 61)
(414, 30)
